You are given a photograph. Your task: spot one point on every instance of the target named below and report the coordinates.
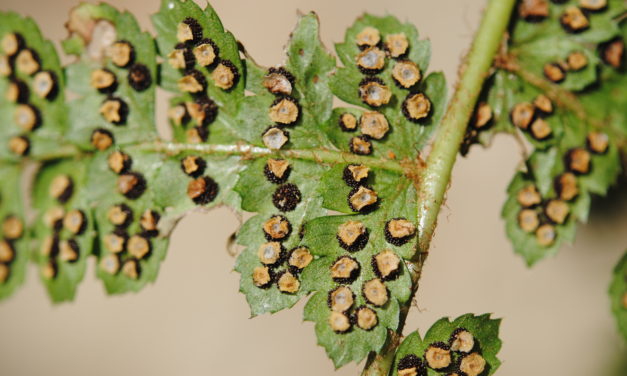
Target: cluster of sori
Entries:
(21, 61)
(374, 92)
(202, 189)
(461, 356)
(284, 110)
(532, 117)
(64, 224)
(122, 250)
(353, 236)
(278, 265)
(195, 56)
(574, 19)
(113, 109)
(541, 214)
(361, 198)
(12, 230)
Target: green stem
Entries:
(250, 152)
(436, 176)
(246, 151)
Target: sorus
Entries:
(386, 265)
(122, 53)
(27, 62)
(139, 77)
(114, 110)
(574, 20)
(362, 199)
(416, 107)
(345, 270)
(406, 73)
(225, 75)
(287, 282)
(131, 184)
(533, 10)
(149, 222)
(396, 45)
(286, 197)
(360, 145)
(110, 264)
(352, 236)
(340, 299)
(284, 110)
(371, 60)
(277, 170)
(193, 166)
(202, 190)
(69, 250)
(462, 340)
(355, 175)
(274, 138)
(61, 188)
(206, 52)
(528, 220)
(45, 84)
(75, 221)
(103, 80)
(366, 318)
(101, 139)
(279, 81)
(374, 92)
(375, 292)
(347, 122)
(188, 30)
(181, 57)
(374, 124)
(203, 110)
(399, 231)
(438, 356)
(119, 162)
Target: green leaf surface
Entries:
(311, 65)
(397, 200)
(172, 12)
(46, 136)
(13, 265)
(109, 25)
(404, 135)
(257, 192)
(68, 272)
(324, 186)
(548, 41)
(586, 102)
(485, 332)
(102, 185)
(618, 295)
(171, 183)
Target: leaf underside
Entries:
(258, 140)
(485, 334)
(107, 185)
(564, 167)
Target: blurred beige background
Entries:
(194, 322)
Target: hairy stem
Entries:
(247, 151)
(251, 152)
(436, 176)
